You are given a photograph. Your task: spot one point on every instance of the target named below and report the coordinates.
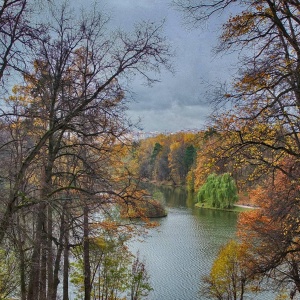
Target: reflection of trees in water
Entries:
(173, 197)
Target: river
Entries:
(181, 250)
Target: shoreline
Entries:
(236, 207)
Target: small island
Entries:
(145, 208)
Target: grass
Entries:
(233, 209)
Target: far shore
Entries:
(235, 208)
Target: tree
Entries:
(159, 162)
(16, 34)
(262, 124)
(89, 83)
(208, 159)
(156, 150)
(167, 157)
(176, 162)
(218, 191)
(272, 232)
(8, 274)
(229, 278)
(59, 134)
(114, 270)
(189, 157)
(140, 286)
(261, 130)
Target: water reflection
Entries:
(182, 249)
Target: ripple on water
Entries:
(181, 252)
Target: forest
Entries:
(253, 135)
(69, 172)
(64, 179)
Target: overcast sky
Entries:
(178, 101)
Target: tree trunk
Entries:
(34, 277)
(66, 268)
(86, 254)
(58, 258)
(22, 274)
(19, 240)
(50, 253)
(43, 268)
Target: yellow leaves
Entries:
(174, 146)
(21, 96)
(228, 273)
(253, 82)
(259, 7)
(100, 242)
(188, 137)
(108, 225)
(239, 25)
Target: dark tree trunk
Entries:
(86, 254)
(66, 268)
(50, 254)
(58, 258)
(34, 277)
(43, 268)
(22, 274)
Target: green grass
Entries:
(233, 209)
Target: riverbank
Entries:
(235, 208)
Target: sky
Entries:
(179, 101)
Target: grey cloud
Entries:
(175, 118)
(176, 102)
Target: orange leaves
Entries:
(272, 232)
(239, 25)
(108, 225)
(253, 82)
(250, 220)
(257, 196)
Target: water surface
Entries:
(182, 249)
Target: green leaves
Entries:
(218, 191)
(115, 271)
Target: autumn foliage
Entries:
(272, 232)
(256, 118)
(63, 139)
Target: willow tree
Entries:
(218, 191)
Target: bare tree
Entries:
(17, 36)
(59, 132)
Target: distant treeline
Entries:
(167, 158)
(187, 159)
